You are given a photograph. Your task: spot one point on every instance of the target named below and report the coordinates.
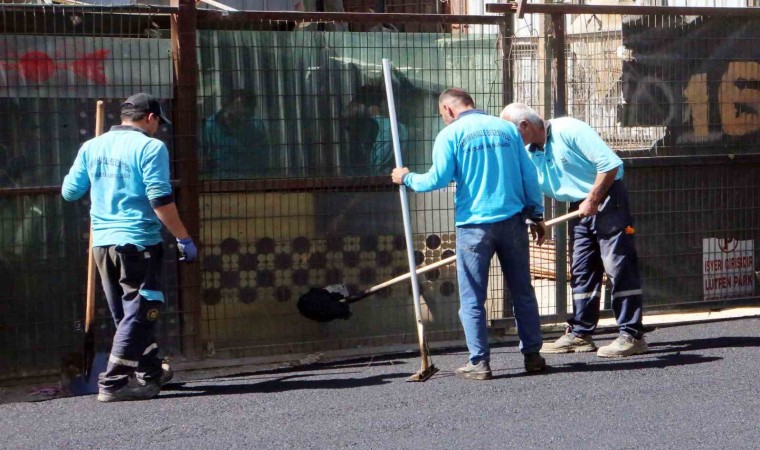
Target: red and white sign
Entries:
(84, 67)
(728, 268)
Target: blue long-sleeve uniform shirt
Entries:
(571, 159)
(127, 173)
(485, 156)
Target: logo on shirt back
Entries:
(111, 168)
(466, 140)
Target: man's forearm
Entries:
(169, 216)
(601, 186)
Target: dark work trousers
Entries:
(131, 278)
(605, 243)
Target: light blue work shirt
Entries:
(571, 159)
(127, 173)
(484, 155)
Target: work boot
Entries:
(624, 345)
(570, 343)
(133, 390)
(479, 371)
(534, 362)
(166, 374)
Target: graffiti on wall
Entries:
(698, 76)
(78, 67)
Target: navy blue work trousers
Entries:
(603, 243)
(131, 276)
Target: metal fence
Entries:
(281, 145)
(298, 195)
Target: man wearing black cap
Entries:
(126, 171)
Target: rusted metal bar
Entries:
(208, 19)
(507, 30)
(559, 64)
(558, 58)
(38, 19)
(35, 190)
(330, 184)
(73, 9)
(184, 116)
(521, 8)
(537, 8)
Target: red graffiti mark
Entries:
(90, 66)
(38, 67)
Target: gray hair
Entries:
(517, 112)
(456, 95)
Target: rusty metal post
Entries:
(507, 31)
(184, 116)
(559, 64)
(559, 76)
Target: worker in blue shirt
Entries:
(496, 191)
(127, 174)
(234, 143)
(575, 165)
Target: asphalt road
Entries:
(698, 388)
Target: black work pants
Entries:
(131, 276)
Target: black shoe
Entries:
(534, 362)
(166, 374)
(479, 371)
(133, 390)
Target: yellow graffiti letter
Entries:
(736, 122)
(699, 103)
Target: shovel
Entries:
(324, 305)
(81, 382)
(331, 302)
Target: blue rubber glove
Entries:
(187, 249)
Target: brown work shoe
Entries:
(570, 343)
(534, 362)
(624, 345)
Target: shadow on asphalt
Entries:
(660, 355)
(623, 364)
(704, 344)
(278, 384)
(363, 363)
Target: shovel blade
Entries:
(89, 353)
(323, 306)
(423, 374)
(75, 382)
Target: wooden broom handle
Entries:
(89, 315)
(451, 259)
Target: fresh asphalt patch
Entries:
(698, 387)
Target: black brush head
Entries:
(323, 306)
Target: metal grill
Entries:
(54, 67)
(298, 194)
(309, 202)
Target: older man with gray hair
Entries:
(575, 165)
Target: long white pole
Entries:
(405, 212)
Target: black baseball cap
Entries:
(143, 102)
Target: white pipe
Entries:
(405, 209)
